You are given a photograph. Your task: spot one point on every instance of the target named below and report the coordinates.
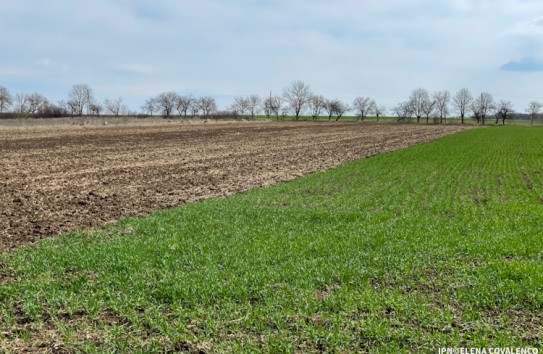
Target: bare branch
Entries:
(166, 102)
(482, 106)
(207, 105)
(316, 105)
(504, 110)
(462, 101)
(442, 99)
(362, 107)
(81, 96)
(115, 107)
(418, 100)
(297, 96)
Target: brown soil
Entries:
(60, 180)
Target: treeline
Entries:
(296, 100)
(439, 105)
(81, 101)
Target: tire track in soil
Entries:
(54, 181)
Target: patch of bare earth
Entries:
(60, 180)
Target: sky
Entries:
(136, 49)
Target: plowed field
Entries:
(59, 180)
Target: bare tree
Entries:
(195, 108)
(149, 106)
(329, 108)
(73, 107)
(207, 105)
(96, 108)
(183, 104)
(378, 110)
(81, 96)
(404, 111)
(267, 105)
(34, 102)
(297, 96)
(442, 99)
(418, 100)
(429, 108)
(462, 101)
(21, 103)
(115, 107)
(504, 110)
(339, 108)
(399, 110)
(276, 106)
(254, 104)
(362, 107)
(487, 104)
(534, 110)
(316, 105)
(165, 102)
(482, 106)
(240, 105)
(271, 105)
(5, 99)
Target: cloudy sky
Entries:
(224, 48)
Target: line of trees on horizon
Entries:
(296, 100)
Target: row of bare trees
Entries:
(437, 106)
(80, 101)
(168, 103)
(297, 99)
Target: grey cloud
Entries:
(523, 65)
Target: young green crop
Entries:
(434, 246)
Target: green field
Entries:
(438, 245)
